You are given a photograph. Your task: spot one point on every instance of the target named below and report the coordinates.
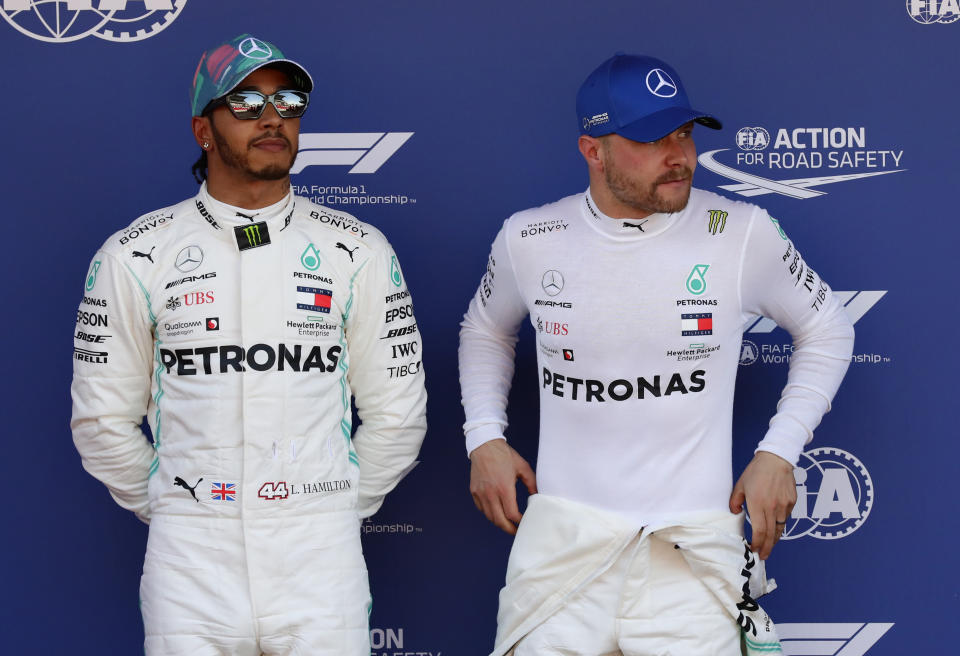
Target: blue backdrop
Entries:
(434, 121)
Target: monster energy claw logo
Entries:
(718, 221)
(395, 271)
(696, 283)
(253, 236)
(92, 276)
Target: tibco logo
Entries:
(928, 12)
(840, 638)
(364, 151)
(60, 21)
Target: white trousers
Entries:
(648, 603)
(278, 588)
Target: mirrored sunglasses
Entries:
(248, 105)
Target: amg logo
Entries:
(558, 304)
(212, 274)
(620, 389)
(259, 357)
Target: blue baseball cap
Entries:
(225, 66)
(638, 97)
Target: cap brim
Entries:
(297, 73)
(660, 124)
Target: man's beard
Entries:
(241, 161)
(645, 199)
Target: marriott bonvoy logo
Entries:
(781, 160)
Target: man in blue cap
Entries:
(639, 289)
(240, 322)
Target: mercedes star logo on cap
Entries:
(662, 85)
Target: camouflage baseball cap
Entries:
(222, 68)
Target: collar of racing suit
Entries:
(624, 229)
(276, 216)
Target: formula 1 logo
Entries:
(856, 304)
(928, 12)
(837, 638)
(364, 151)
(60, 21)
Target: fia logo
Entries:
(928, 12)
(834, 495)
(61, 21)
(366, 152)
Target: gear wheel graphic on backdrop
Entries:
(63, 21)
(834, 495)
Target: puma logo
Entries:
(182, 483)
(349, 251)
(149, 255)
(638, 226)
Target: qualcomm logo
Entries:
(856, 305)
(834, 149)
(928, 12)
(836, 638)
(834, 495)
(364, 151)
(60, 21)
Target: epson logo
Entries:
(205, 276)
(366, 152)
(401, 312)
(259, 357)
(91, 319)
(622, 389)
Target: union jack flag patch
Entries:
(223, 491)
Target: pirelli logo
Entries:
(718, 221)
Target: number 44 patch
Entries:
(273, 491)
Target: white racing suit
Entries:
(242, 340)
(584, 581)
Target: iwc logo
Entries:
(60, 21)
(834, 495)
